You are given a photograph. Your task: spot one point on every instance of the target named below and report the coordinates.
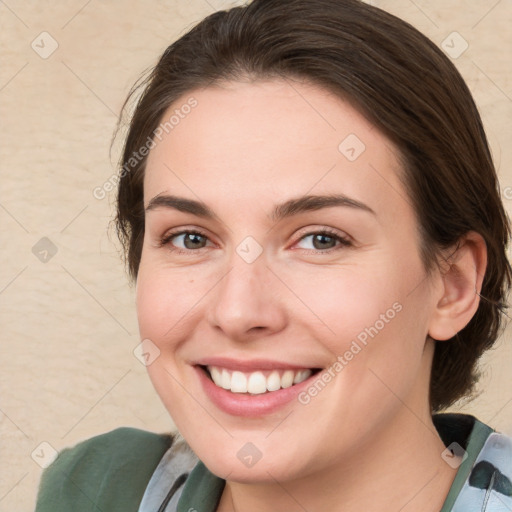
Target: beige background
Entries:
(68, 326)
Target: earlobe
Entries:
(461, 285)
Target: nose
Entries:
(246, 303)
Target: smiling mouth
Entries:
(257, 382)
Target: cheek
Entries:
(162, 307)
(153, 310)
(344, 302)
(165, 299)
(373, 318)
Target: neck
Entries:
(401, 470)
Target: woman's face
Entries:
(260, 298)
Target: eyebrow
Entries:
(289, 208)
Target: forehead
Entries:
(244, 141)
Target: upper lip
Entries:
(250, 365)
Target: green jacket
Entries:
(107, 473)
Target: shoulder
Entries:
(489, 485)
(485, 475)
(106, 472)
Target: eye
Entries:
(188, 240)
(325, 241)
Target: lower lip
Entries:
(242, 404)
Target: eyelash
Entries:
(343, 241)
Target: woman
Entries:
(311, 213)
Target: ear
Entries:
(459, 296)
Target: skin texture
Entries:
(244, 148)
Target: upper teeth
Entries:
(256, 382)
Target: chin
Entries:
(262, 462)
(261, 472)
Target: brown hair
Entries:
(402, 83)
